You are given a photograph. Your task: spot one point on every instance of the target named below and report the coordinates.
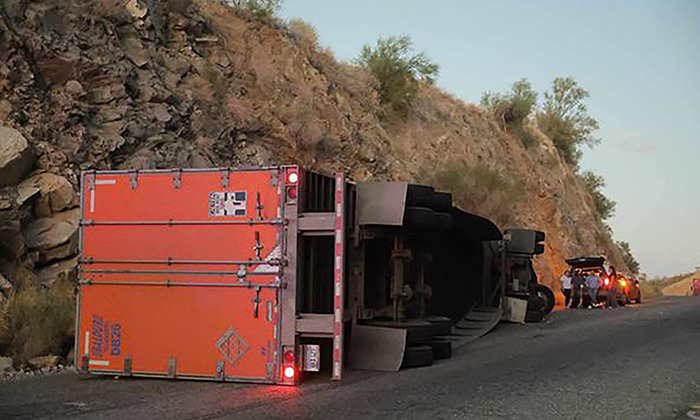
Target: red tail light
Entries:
(292, 193)
(289, 368)
(291, 181)
(292, 177)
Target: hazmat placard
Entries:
(228, 203)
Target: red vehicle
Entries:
(696, 287)
(628, 290)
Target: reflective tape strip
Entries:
(105, 181)
(338, 277)
(87, 342)
(99, 362)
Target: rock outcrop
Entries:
(15, 156)
(38, 219)
(153, 84)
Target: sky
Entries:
(639, 60)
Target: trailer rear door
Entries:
(180, 274)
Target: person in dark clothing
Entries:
(611, 301)
(577, 289)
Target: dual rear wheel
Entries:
(540, 303)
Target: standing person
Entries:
(592, 284)
(611, 301)
(566, 287)
(576, 294)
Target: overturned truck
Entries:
(263, 274)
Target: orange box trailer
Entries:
(186, 273)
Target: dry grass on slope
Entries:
(677, 285)
(681, 287)
(39, 321)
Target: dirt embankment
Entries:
(682, 287)
(131, 84)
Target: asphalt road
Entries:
(637, 362)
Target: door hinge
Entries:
(177, 178)
(241, 273)
(225, 175)
(134, 179)
(220, 373)
(172, 368)
(127, 365)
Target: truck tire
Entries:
(534, 315)
(442, 201)
(418, 218)
(441, 325)
(442, 349)
(545, 293)
(639, 297)
(417, 356)
(419, 333)
(443, 221)
(419, 195)
(535, 309)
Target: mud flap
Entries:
(377, 348)
(514, 310)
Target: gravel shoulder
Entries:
(636, 362)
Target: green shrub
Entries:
(627, 257)
(650, 289)
(478, 189)
(514, 107)
(261, 9)
(39, 321)
(512, 110)
(398, 71)
(564, 119)
(594, 184)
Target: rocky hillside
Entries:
(154, 84)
